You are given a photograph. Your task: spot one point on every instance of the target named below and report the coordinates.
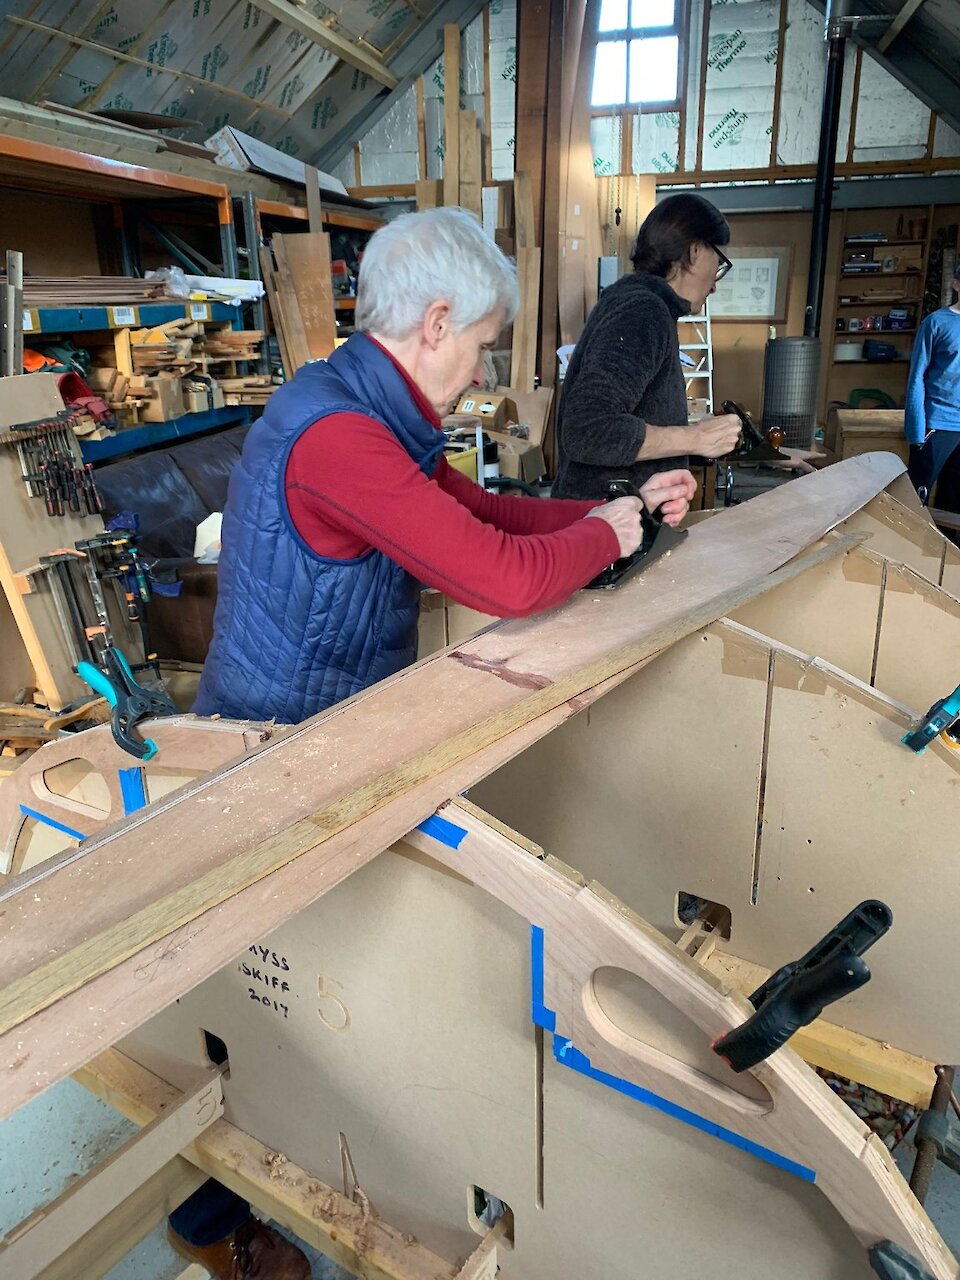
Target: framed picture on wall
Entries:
(756, 286)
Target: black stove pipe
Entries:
(839, 23)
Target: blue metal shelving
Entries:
(132, 439)
(47, 320)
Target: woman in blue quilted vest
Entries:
(343, 505)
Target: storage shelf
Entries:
(879, 275)
(145, 315)
(872, 333)
(345, 304)
(132, 439)
(880, 244)
(881, 302)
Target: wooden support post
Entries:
(451, 113)
(471, 177)
(525, 228)
(429, 193)
(533, 29)
(421, 135)
(523, 360)
(549, 295)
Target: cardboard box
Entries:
(167, 403)
(533, 409)
(201, 401)
(493, 408)
(519, 459)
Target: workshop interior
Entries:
(479, 639)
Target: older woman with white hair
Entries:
(343, 504)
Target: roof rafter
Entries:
(345, 49)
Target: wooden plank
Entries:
(269, 276)
(362, 1243)
(525, 230)
(471, 177)
(533, 34)
(523, 359)
(421, 138)
(311, 177)
(579, 218)
(451, 113)
(487, 98)
(904, 14)
(304, 260)
(429, 193)
(35, 1244)
(550, 243)
(121, 1230)
(357, 54)
(89, 920)
(288, 306)
(119, 995)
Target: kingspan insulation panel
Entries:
(801, 93)
(388, 151)
(892, 124)
(741, 73)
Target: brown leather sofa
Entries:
(172, 490)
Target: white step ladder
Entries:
(696, 355)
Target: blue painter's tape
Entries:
(131, 789)
(52, 822)
(568, 1055)
(542, 1016)
(442, 829)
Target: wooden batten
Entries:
(451, 113)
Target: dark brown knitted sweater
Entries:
(624, 373)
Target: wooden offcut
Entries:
(451, 114)
(303, 272)
(523, 359)
(471, 176)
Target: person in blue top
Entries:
(932, 407)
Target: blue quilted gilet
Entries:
(295, 632)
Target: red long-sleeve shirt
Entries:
(350, 485)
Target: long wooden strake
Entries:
(156, 903)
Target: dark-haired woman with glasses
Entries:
(623, 410)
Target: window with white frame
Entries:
(638, 55)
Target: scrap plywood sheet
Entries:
(832, 611)
(397, 1012)
(655, 790)
(908, 537)
(736, 771)
(919, 642)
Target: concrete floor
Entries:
(60, 1135)
(56, 1138)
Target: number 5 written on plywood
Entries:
(340, 1021)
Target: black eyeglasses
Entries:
(725, 263)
